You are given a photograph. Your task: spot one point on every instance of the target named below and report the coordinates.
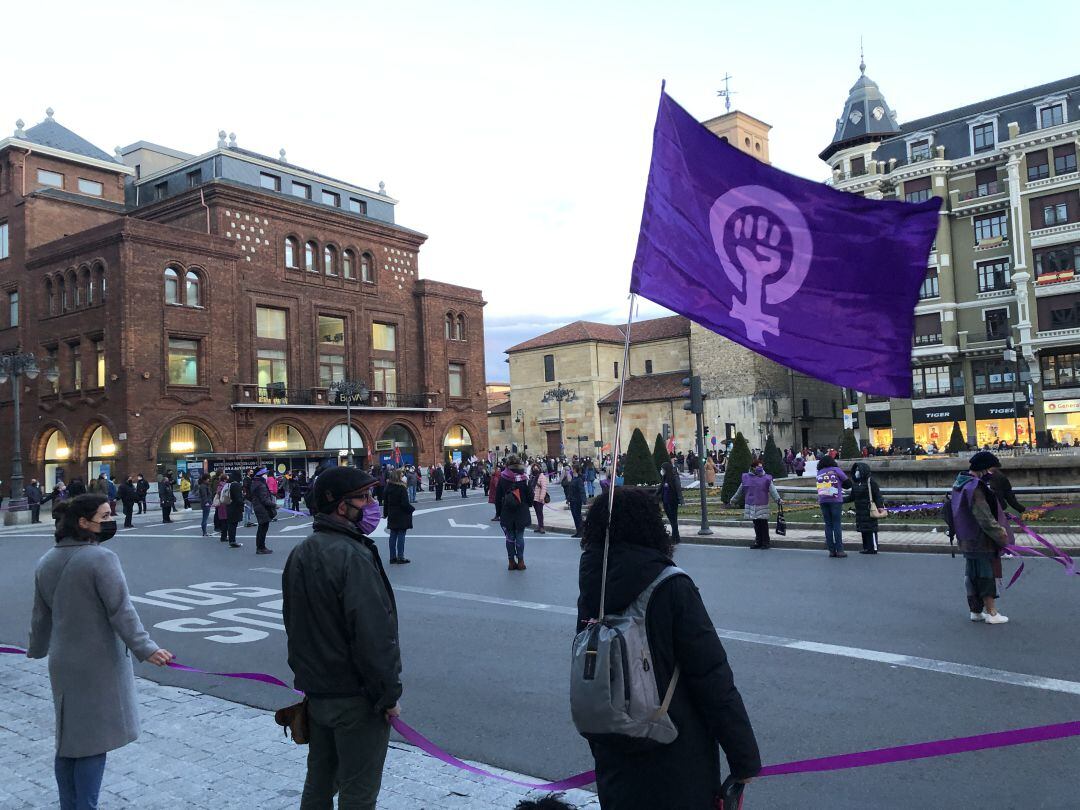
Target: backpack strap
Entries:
(643, 600)
(666, 702)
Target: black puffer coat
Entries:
(706, 707)
(864, 489)
(397, 507)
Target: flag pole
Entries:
(616, 445)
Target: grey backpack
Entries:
(612, 683)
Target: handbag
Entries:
(294, 719)
(781, 522)
(547, 497)
(877, 512)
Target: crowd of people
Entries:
(341, 618)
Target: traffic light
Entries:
(706, 431)
(692, 393)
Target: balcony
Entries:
(985, 190)
(278, 396)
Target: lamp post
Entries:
(519, 417)
(350, 391)
(14, 366)
(560, 395)
(1012, 356)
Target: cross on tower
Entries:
(726, 93)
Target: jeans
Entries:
(575, 513)
(397, 543)
(249, 513)
(78, 780)
(347, 743)
(205, 515)
(515, 542)
(412, 494)
(834, 534)
(260, 535)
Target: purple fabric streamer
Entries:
(860, 759)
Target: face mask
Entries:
(369, 518)
(106, 530)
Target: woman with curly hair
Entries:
(706, 707)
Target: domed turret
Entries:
(867, 117)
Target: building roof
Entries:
(49, 133)
(648, 388)
(292, 166)
(80, 199)
(1007, 100)
(499, 408)
(587, 331)
(858, 122)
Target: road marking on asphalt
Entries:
(878, 656)
(455, 525)
(295, 528)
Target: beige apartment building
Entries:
(1002, 271)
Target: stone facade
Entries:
(1003, 266)
(94, 294)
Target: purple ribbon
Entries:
(860, 759)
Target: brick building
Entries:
(199, 309)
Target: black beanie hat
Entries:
(983, 460)
(338, 483)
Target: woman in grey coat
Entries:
(84, 622)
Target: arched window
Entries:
(99, 279)
(88, 284)
(330, 260)
(64, 303)
(460, 327)
(100, 452)
(366, 263)
(76, 295)
(50, 296)
(192, 289)
(347, 261)
(310, 251)
(291, 249)
(172, 286)
(449, 326)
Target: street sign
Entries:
(714, 441)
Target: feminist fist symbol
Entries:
(750, 252)
(759, 261)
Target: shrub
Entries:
(849, 448)
(738, 462)
(660, 453)
(774, 460)
(639, 467)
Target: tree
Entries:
(738, 462)
(774, 460)
(849, 448)
(957, 443)
(659, 452)
(639, 467)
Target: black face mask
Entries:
(106, 530)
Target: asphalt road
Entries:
(892, 658)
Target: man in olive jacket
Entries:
(341, 623)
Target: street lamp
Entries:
(1012, 356)
(519, 417)
(560, 395)
(14, 366)
(350, 391)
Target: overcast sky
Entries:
(516, 135)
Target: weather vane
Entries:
(726, 93)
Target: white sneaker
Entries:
(995, 618)
(976, 617)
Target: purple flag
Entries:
(822, 281)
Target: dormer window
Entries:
(1052, 115)
(983, 137)
(920, 150)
